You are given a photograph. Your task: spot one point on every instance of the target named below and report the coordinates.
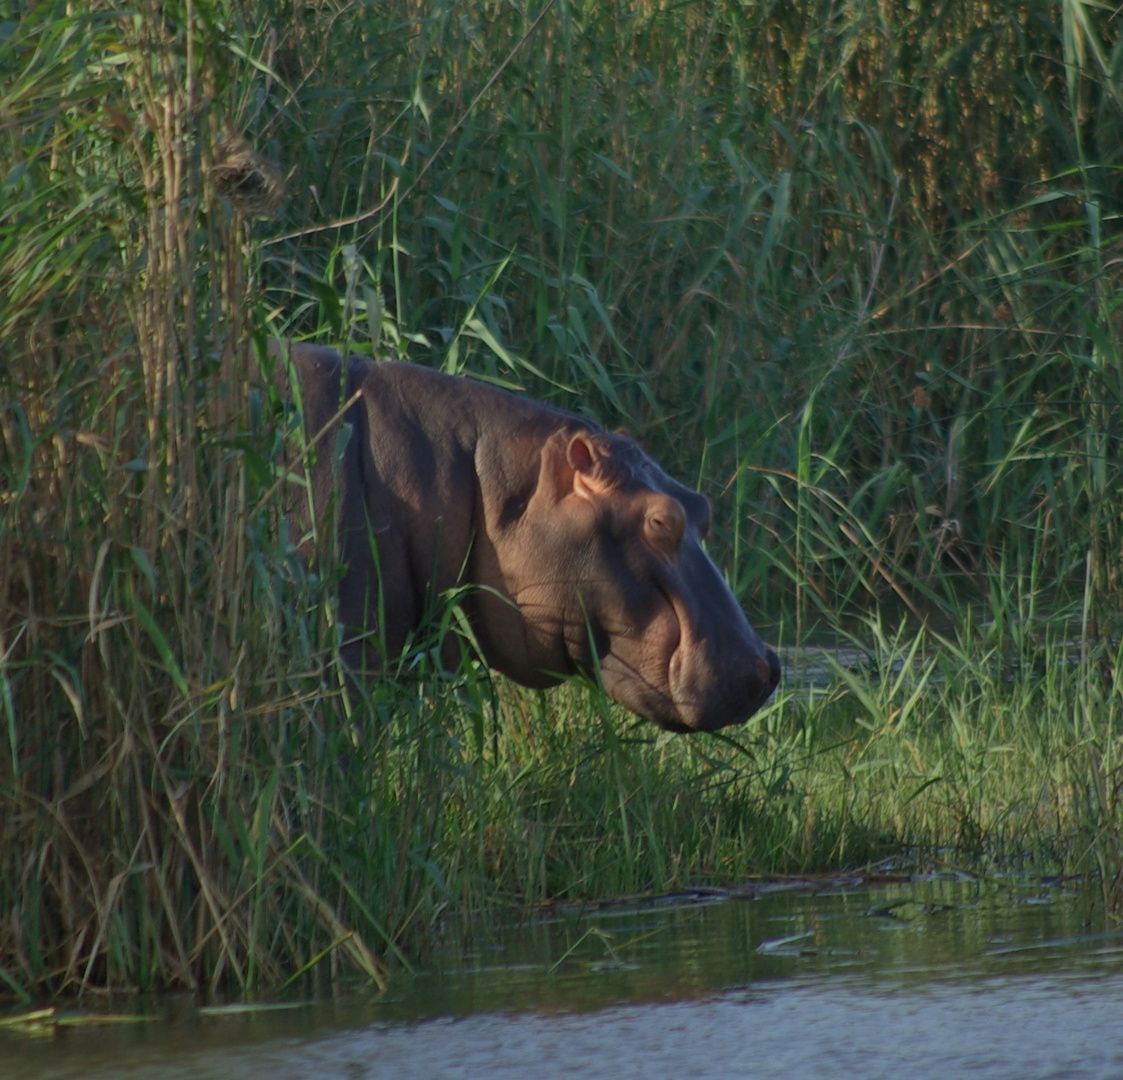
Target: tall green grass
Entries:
(854, 270)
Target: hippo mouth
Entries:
(684, 705)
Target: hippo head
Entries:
(602, 555)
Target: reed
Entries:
(854, 270)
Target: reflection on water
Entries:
(940, 978)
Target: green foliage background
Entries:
(853, 269)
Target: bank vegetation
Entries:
(854, 270)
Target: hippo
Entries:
(578, 553)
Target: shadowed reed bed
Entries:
(854, 271)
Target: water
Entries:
(904, 979)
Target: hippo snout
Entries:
(715, 683)
(745, 694)
(736, 698)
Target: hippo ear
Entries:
(581, 454)
(585, 458)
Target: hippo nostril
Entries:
(773, 669)
(768, 671)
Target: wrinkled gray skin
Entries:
(574, 538)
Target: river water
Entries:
(942, 977)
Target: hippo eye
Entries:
(665, 525)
